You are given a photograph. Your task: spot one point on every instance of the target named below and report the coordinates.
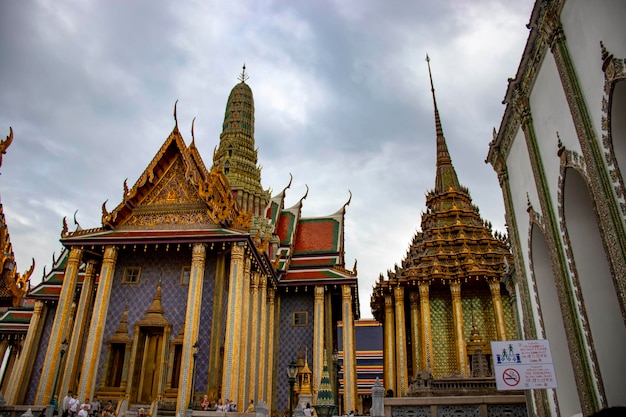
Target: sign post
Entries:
(523, 364)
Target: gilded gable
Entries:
(172, 203)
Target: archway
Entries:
(596, 284)
(553, 326)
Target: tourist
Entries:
(250, 408)
(84, 411)
(109, 409)
(307, 411)
(232, 406)
(74, 405)
(205, 404)
(141, 413)
(94, 409)
(66, 404)
(221, 407)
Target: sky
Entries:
(342, 99)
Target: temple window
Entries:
(300, 318)
(131, 275)
(184, 275)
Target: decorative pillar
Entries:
(427, 339)
(415, 325)
(230, 376)
(59, 327)
(254, 338)
(389, 351)
(192, 325)
(16, 387)
(459, 332)
(69, 379)
(402, 376)
(263, 341)
(271, 312)
(318, 338)
(242, 398)
(87, 385)
(349, 350)
(496, 299)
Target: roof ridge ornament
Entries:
(175, 118)
(243, 77)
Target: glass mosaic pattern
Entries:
(443, 333)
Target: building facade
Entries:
(560, 156)
(198, 282)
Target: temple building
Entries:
(198, 282)
(560, 156)
(447, 300)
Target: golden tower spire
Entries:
(446, 175)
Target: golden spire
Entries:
(446, 177)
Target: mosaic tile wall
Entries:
(40, 356)
(479, 303)
(443, 336)
(291, 339)
(165, 266)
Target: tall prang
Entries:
(236, 155)
(450, 286)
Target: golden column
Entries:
(242, 398)
(263, 341)
(459, 333)
(318, 338)
(254, 337)
(415, 325)
(87, 385)
(81, 320)
(192, 325)
(389, 351)
(60, 327)
(230, 373)
(496, 299)
(350, 392)
(271, 312)
(16, 387)
(402, 376)
(426, 331)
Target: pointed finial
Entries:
(432, 89)
(243, 77)
(175, 118)
(193, 138)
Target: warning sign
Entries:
(523, 364)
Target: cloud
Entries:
(342, 100)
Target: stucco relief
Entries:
(614, 72)
(573, 160)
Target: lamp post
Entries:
(52, 403)
(336, 369)
(292, 371)
(194, 350)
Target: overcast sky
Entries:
(341, 92)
